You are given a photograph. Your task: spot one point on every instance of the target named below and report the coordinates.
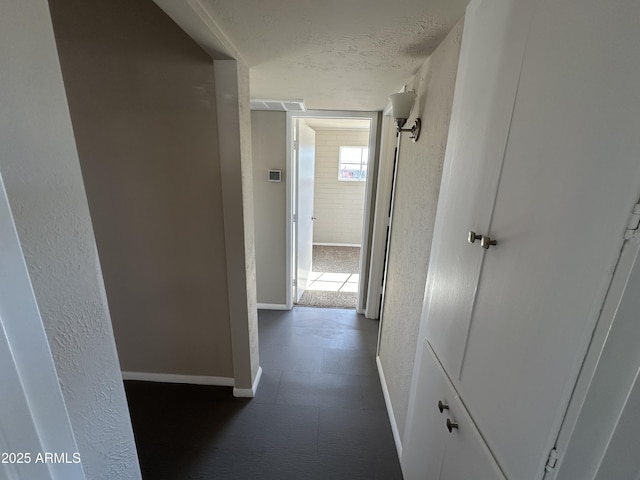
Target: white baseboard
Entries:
(321, 244)
(173, 378)
(249, 392)
(272, 306)
(387, 401)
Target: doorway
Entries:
(329, 195)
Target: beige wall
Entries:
(417, 188)
(143, 107)
(338, 206)
(41, 172)
(268, 131)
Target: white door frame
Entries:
(369, 193)
(609, 370)
(382, 216)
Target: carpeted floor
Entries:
(338, 260)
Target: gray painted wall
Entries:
(417, 188)
(42, 176)
(268, 132)
(337, 205)
(143, 105)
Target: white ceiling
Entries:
(334, 54)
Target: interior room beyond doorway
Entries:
(340, 166)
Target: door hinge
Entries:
(295, 218)
(552, 461)
(634, 222)
(294, 282)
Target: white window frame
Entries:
(364, 157)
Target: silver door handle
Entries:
(486, 242)
(451, 425)
(442, 406)
(473, 236)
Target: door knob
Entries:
(451, 425)
(442, 406)
(486, 242)
(473, 236)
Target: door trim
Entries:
(369, 197)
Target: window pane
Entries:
(353, 164)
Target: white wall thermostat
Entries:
(275, 176)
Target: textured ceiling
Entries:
(334, 54)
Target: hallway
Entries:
(319, 412)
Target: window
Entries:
(353, 164)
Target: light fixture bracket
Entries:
(415, 128)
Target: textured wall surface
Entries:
(232, 97)
(417, 188)
(244, 110)
(268, 133)
(338, 206)
(149, 155)
(42, 176)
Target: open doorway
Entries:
(331, 155)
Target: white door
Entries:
(477, 139)
(305, 177)
(569, 181)
(33, 416)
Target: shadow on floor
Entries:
(319, 412)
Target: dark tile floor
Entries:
(319, 412)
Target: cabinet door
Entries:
(432, 451)
(570, 177)
(426, 432)
(492, 48)
(466, 455)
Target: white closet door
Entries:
(490, 58)
(569, 181)
(467, 456)
(426, 436)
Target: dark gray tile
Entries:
(314, 337)
(285, 465)
(292, 358)
(268, 387)
(355, 433)
(348, 361)
(388, 469)
(266, 427)
(371, 393)
(224, 465)
(326, 390)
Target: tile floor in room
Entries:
(333, 282)
(319, 412)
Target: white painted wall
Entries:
(338, 206)
(416, 196)
(42, 176)
(234, 133)
(269, 152)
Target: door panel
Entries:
(466, 455)
(425, 439)
(304, 205)
(487, 79)
(570, 178)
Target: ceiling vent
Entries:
(279, 105)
